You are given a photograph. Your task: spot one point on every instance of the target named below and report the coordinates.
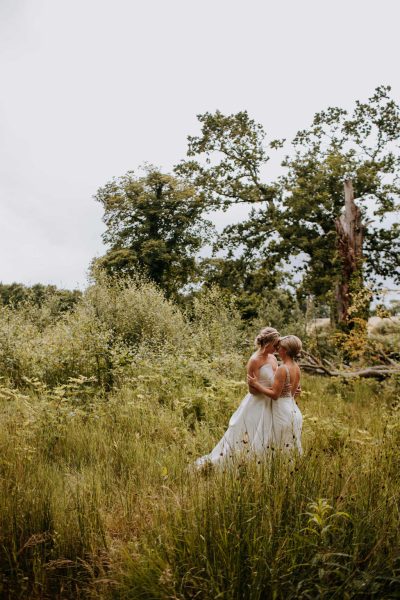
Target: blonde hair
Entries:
(292, 344)
(267, 335)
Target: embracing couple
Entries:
(268, 417)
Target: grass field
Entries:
(99, 500)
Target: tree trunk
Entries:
(350, 242)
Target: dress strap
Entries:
(287, 373)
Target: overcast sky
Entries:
(93, 88)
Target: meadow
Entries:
(103, 410)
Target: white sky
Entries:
(93, 88)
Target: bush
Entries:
(113, 327)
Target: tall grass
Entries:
(98, 494)
(324, 525)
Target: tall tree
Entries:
(226, 164)
(298, 215)
(155, 224)
(361, 147)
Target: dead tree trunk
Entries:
(350, 243)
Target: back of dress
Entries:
(287, 386)
(286, 418)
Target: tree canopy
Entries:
(155, 224)
(295, 215)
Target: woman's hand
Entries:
(298, 391)
(253, 381)
(272, 392)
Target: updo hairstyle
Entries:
(267, 335)
(292, 344)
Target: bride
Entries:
(286, 416)
(250, 427)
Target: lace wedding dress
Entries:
(287, 419)
(250, 427)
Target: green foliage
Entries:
(353, 341)
(250, 283)
(295, 216)
(154, 224)
(112, 324)
(216, 323)
(98, 494)
(280, 309)
(225, 165)
(60, 300)
(360, 146)
(232, 153)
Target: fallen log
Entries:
(311, 364)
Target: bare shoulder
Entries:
(253, 362)
(280, 371)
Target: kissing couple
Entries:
(268, 417)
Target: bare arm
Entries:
(253, 370)
(273, 392)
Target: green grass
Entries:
(99, 498)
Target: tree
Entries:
(226, 164)
(350, 241)
(154, 223)
(243, 278)
(233, 150)
(298, 214)
(361, 147)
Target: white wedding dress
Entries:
(260, 424)
(250, 427)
